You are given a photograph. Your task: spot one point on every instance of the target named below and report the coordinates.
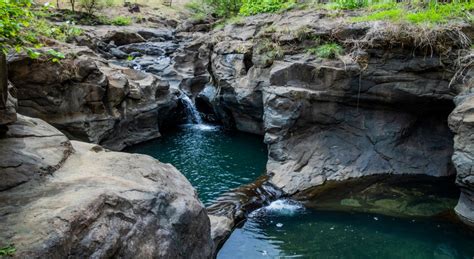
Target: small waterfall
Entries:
(192, 113)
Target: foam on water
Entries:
(280, 207)
(202, 127)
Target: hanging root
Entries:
(464, 64)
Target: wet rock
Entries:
(118, 53)
(150, 48)
(64, 207)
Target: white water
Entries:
(194, 117)
(191, 112)
(280, 207)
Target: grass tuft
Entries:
(327, 50)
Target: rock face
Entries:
(340, 125)
(461, 122)
(378, 110)
(30, 150)
(91, 100)
(7, 101)
(78, 200)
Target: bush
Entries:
(118, 21)
(251, 7)
(121, 21)
(7, 251)
(328, 50)
(224, 8)
(91, 6)
(15, 17)
(22, 30)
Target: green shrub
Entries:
(328, 50)
(222, 8)
(91, 6)
(251, 7)
(8, 250)
(118, 21)
(15, 18)
(21, 29)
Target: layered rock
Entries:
(91, 100)
(325, 121)
(64, 198)
(377, 110)
(461, 122)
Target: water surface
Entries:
(213, 160)
(281, 232)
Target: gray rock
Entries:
(93, 203)
(92, 101)
(7, 101)
(123, 37)
(31, 149)
(150, 48)
(461, 122)
(118, 53)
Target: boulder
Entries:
(123, 37)
(79, 200)
(31, 149)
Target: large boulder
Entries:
(91, 100)
(79, 200)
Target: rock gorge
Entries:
(381, 109)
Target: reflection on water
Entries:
(331, 230)
(213, 160)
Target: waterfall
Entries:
(192, 113)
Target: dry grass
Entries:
(439, 40)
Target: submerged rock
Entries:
(77, 200)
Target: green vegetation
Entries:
(327, 50)
(417, 12)
(15, 17)
(433, 13)
(121, 21)
(8, 250)
(251, 7)
(22, 29)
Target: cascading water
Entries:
(192, 113)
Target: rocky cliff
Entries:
(380, 107)
(461, 123)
